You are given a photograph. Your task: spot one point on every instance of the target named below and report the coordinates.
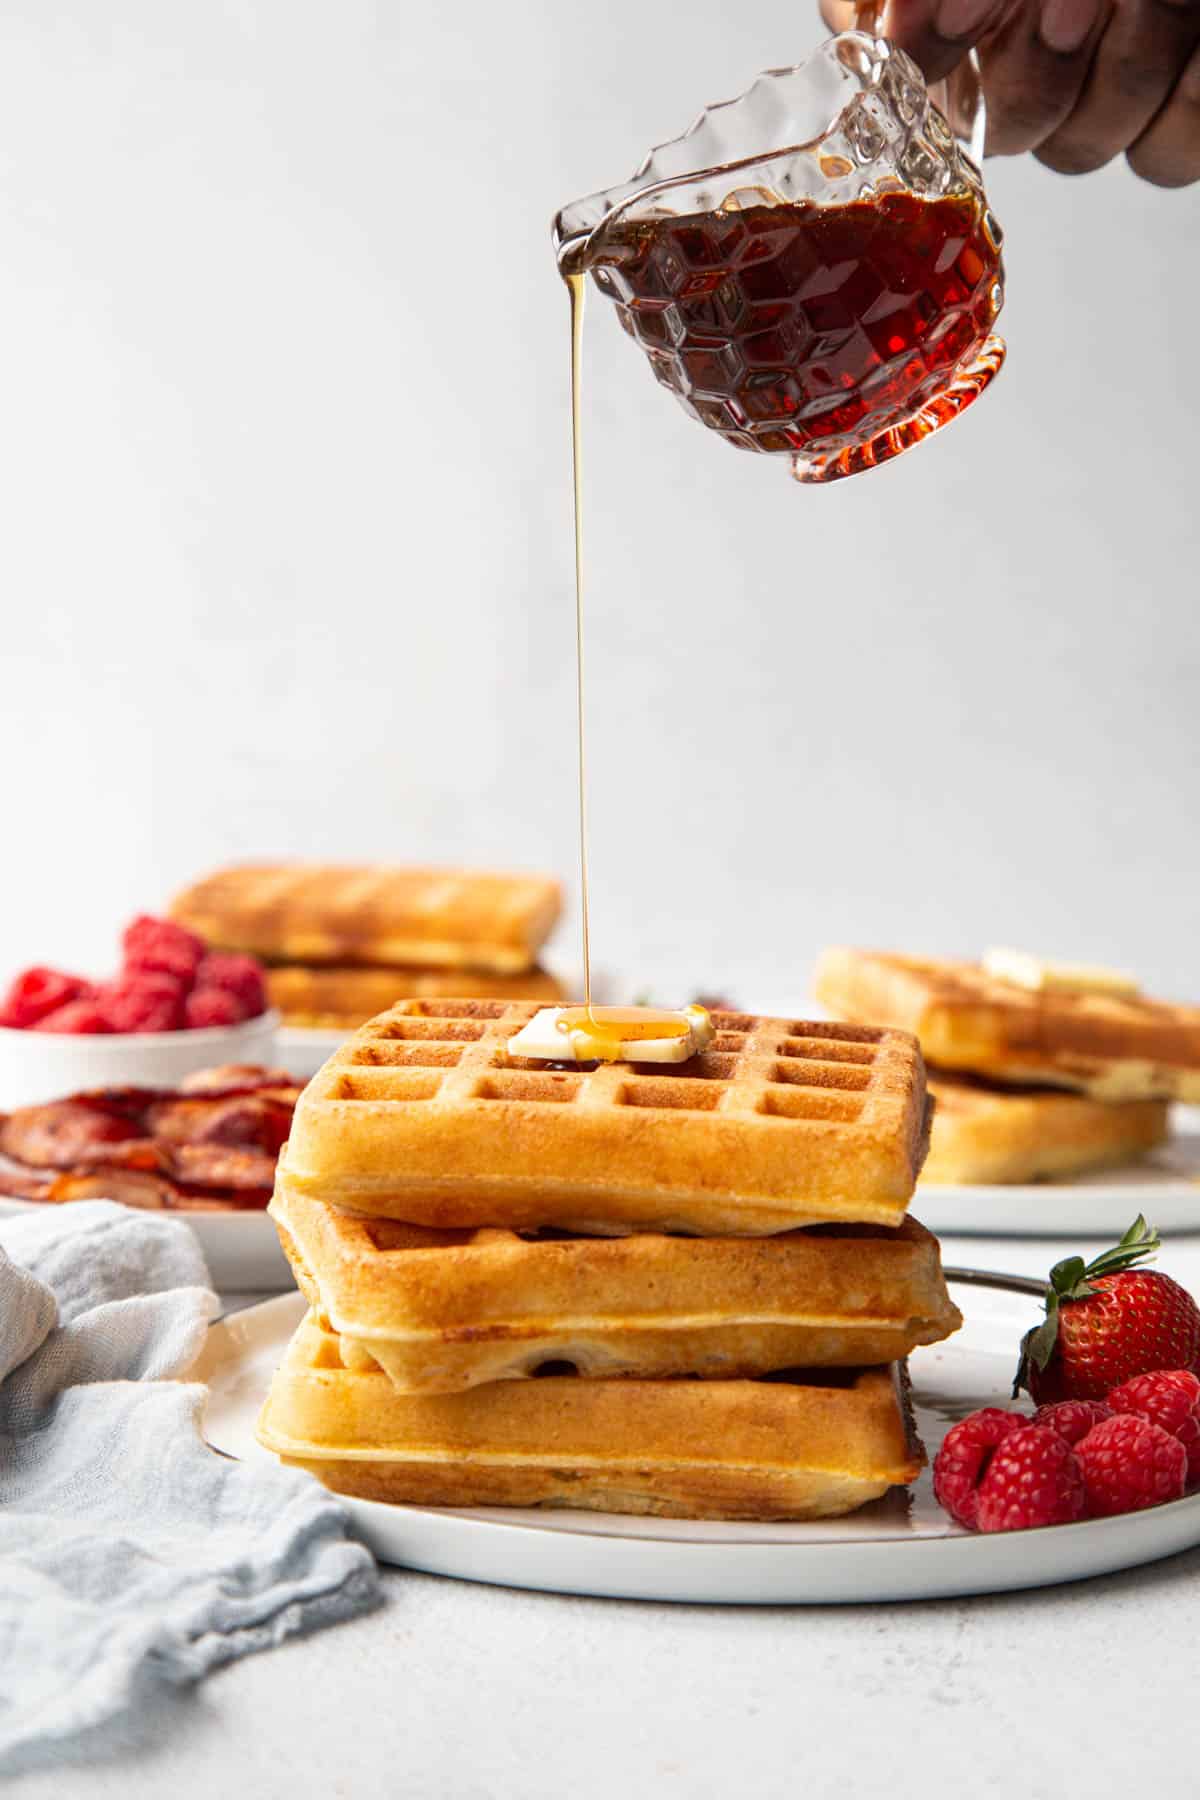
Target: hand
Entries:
(1075, 81)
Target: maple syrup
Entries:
(599, 1033)
(834, 333)
(596, 1033)
(802, 328)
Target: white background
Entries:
(284, 541)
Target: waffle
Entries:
(338, 999)
(323, 913)
(440, 1311)
(809, 1446)
(424, 1116)
(983, 1134)
(1112, 1047)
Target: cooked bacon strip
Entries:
(241, 1078)
(221, 1166)
(207, 1146)
(58, 1135)
(131, 1187)
(248, 1120)
(16, 1186)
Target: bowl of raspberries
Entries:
(172, 1007)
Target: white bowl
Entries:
(46, 1065)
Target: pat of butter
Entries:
(564, 1034)
(1020, 969)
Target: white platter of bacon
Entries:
(205, 1151)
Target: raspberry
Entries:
(76, 1016)
(1034, 1478)
(211, 1006)
(35, 993)
(962, 1461)
(162, 945)
(1072, 1419)
(1129, 1463)
(1170, 1398)
(142, 1000)
(240, 976)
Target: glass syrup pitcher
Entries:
(812, 268)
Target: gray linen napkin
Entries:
(130, 1553)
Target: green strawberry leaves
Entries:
(1072, 1280)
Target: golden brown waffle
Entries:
(809, 1447)
(1114, 1048)
(424, 1116)
(439, 1311)
(337, 999)
(325, 913)
(983, 1134)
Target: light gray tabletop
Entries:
(453, 1689)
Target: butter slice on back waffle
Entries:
(337, 998)
(328, 913)
(424, 1116)
(1114, 1047)
(983, 1134)
(814, 1446)
(440, 1311)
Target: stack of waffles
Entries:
(687, 1289)
(1031, 1081)
(343, 943)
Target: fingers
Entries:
(1145, 46)
(1034, 70)
(936, 33)
(1168, 151)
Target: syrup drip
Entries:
(596, 1033)
(576, 291)
(599, 1034)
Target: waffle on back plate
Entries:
(343, 998)
(331, 913)
(985, 1134)
(440, 1311)
(424, 1116)
(809, 1445)
(1112, 1047)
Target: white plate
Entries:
(43, 1065)
(241, 1248)
(900, 1548)
(1165, 1186)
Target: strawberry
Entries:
(1107, 1321)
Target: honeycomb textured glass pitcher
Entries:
(813, 268)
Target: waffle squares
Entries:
(681, 1302)
(1031, 1083)
(440, 1311)
(425, 1116)
(343, 942)
(809, 1445)
(1111, 1046)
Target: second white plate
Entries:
(1165, 1186)
(901, 1548)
